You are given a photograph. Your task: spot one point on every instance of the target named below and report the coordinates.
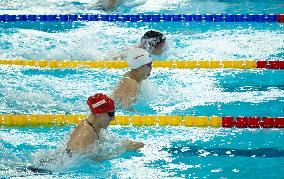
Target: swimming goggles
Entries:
(111, 114)
(149, 65)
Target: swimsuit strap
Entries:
(91, 125)
(93, 128)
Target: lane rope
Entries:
(238, 64)
(188, 121)
(145, 17)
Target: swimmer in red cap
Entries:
(102, 110)
(140, 62)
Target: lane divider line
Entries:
(237, 64)
(188, 121)
(145, 18)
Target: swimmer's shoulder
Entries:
(85, 130)
(125, 87)
(127, 81)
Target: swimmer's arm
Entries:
(122, 55)
(130, 145)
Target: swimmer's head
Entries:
(137, 57)
(153, 42)
(139, 60)
(103, 106)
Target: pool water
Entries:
(170, 151)
(197, 92)
(144, 6)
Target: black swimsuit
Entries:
(68, 151)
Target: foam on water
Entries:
(102, 41)
(66, 6)
(168, 152)
(167, 92)
(136, 6)
(55, 159)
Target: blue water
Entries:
(143, 6)
(167, 92)
(170, 151)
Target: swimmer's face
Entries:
(108, 117)
(158, 49)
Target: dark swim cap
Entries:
(152, 38)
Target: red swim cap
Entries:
(100, 103)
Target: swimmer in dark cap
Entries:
(154, 42)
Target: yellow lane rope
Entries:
(53, 120)
(240, 64)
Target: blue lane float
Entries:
(145, 17)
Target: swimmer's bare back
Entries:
(126, 92)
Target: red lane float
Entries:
(228, 122)
(242, 122)
(280, 18)
(267, 122)
(261, 64)
(270, 64)
(276, 64)
(252, 122)
(279, 122)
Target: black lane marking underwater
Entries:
(185, 151)
(24, 170)
(39, 171)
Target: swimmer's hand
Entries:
(118, 57)
(130, 145)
